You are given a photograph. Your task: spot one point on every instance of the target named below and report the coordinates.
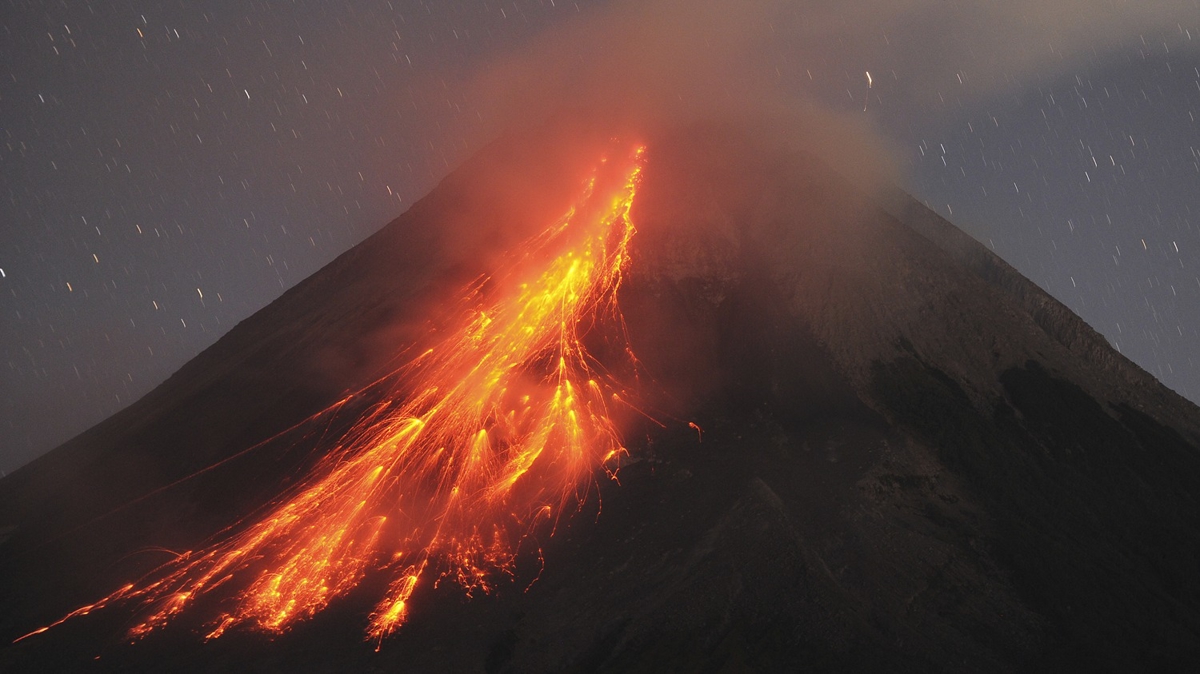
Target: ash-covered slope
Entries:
(911, 458)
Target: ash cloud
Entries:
(804, 63)
(925, 47)
(658, 64)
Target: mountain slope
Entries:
(907, 457)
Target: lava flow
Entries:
(503, 425)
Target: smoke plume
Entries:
(812, 66)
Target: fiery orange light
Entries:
(505, 424)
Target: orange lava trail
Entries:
(505, 424)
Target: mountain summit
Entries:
(851, 439)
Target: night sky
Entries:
(168, 168)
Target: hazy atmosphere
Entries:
(170, 168)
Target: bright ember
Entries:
(504, 425)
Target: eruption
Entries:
(497, 428)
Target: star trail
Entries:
(169, 168)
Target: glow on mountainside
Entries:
(503, 425)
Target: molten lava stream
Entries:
(505, 424)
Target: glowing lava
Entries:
(503, 424)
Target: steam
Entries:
(976, 48)
(811, 65)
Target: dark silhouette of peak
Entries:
(874, 446)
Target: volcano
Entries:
(798, 422)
